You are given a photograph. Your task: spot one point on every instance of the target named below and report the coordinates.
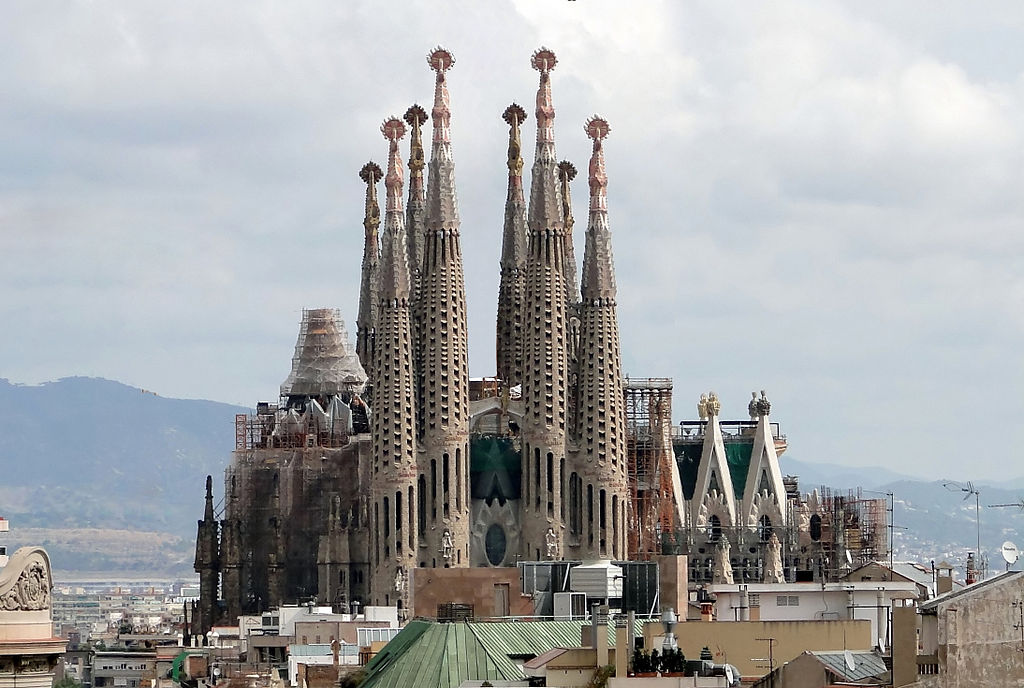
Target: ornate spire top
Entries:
(394, 257)
(393, 131)
(597, 129)
(370, 173)
(441, 60)
(515, 116)
(415, 116)
(544, 61)
(566, 173)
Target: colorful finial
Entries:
(441, 60)
(515, 115)
(597, 129)
(415, 116)
(370, 173)
(544, 61)
(567, 170)
(393, 130)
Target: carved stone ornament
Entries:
(26, 581)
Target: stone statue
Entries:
(551, 543)
(752, 406)
(399, 580)
(702, 407)
(773, 561)
(723, 568)
(714, 406)
(764, 407)
(447, 547)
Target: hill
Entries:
(87, 453)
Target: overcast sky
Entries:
(819, 199)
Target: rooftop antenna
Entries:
(969, 489)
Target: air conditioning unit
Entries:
(570, 606)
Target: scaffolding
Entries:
(855, 533)
(650, 456)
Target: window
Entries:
(786, 601)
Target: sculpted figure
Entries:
(714, 406)
(551, 543)
(447, 546)
(702, 407)
(773, 561)
(752, 406)
(723, 568)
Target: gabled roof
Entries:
(865, 663)
(1002, 578)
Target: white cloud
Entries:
(822, 199)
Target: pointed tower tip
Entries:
(393, 129)
(597, 128)
(543, 60)
(209, 486)
(514, 115)
(440, 60)
(415, 115)
(567, 170)
(370, 173)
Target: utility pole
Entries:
(771, 653)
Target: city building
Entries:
(30, 655)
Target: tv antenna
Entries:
(1010, 554)
(969, 489)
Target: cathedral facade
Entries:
(386, 457)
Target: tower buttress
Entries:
(393, 479)
(443, 378)
(545, 369)
(366, 321)
(601, 424)
(514, 246)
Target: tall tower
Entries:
(601, 464)
(369, 297)
(514, 245)
(207, 563)
(393, 479)
(443, 377)
(566, 173)
(544, 337)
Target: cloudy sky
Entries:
(820, 199)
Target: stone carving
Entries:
(764, 407)
(399, 580)
(31, 590)
(723, 568)
(714, 406)
(752, 406)
(773, 561)
(702, 407)
(551, 543)
(447, 547)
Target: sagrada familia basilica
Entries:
(386, 458)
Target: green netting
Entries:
(495, 467)
(737, 456)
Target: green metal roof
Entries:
(443, 655)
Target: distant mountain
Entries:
(814, 475)
(88, 453)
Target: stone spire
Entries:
(566, 173)
(443, 375)
(514, 246)
(366, 321)
(416, 210)
(393, 479)
(207, 564)
(545, 368)
(601, 423)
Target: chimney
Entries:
(744, 603)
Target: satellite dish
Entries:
(848, 656)
(1010, 552)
